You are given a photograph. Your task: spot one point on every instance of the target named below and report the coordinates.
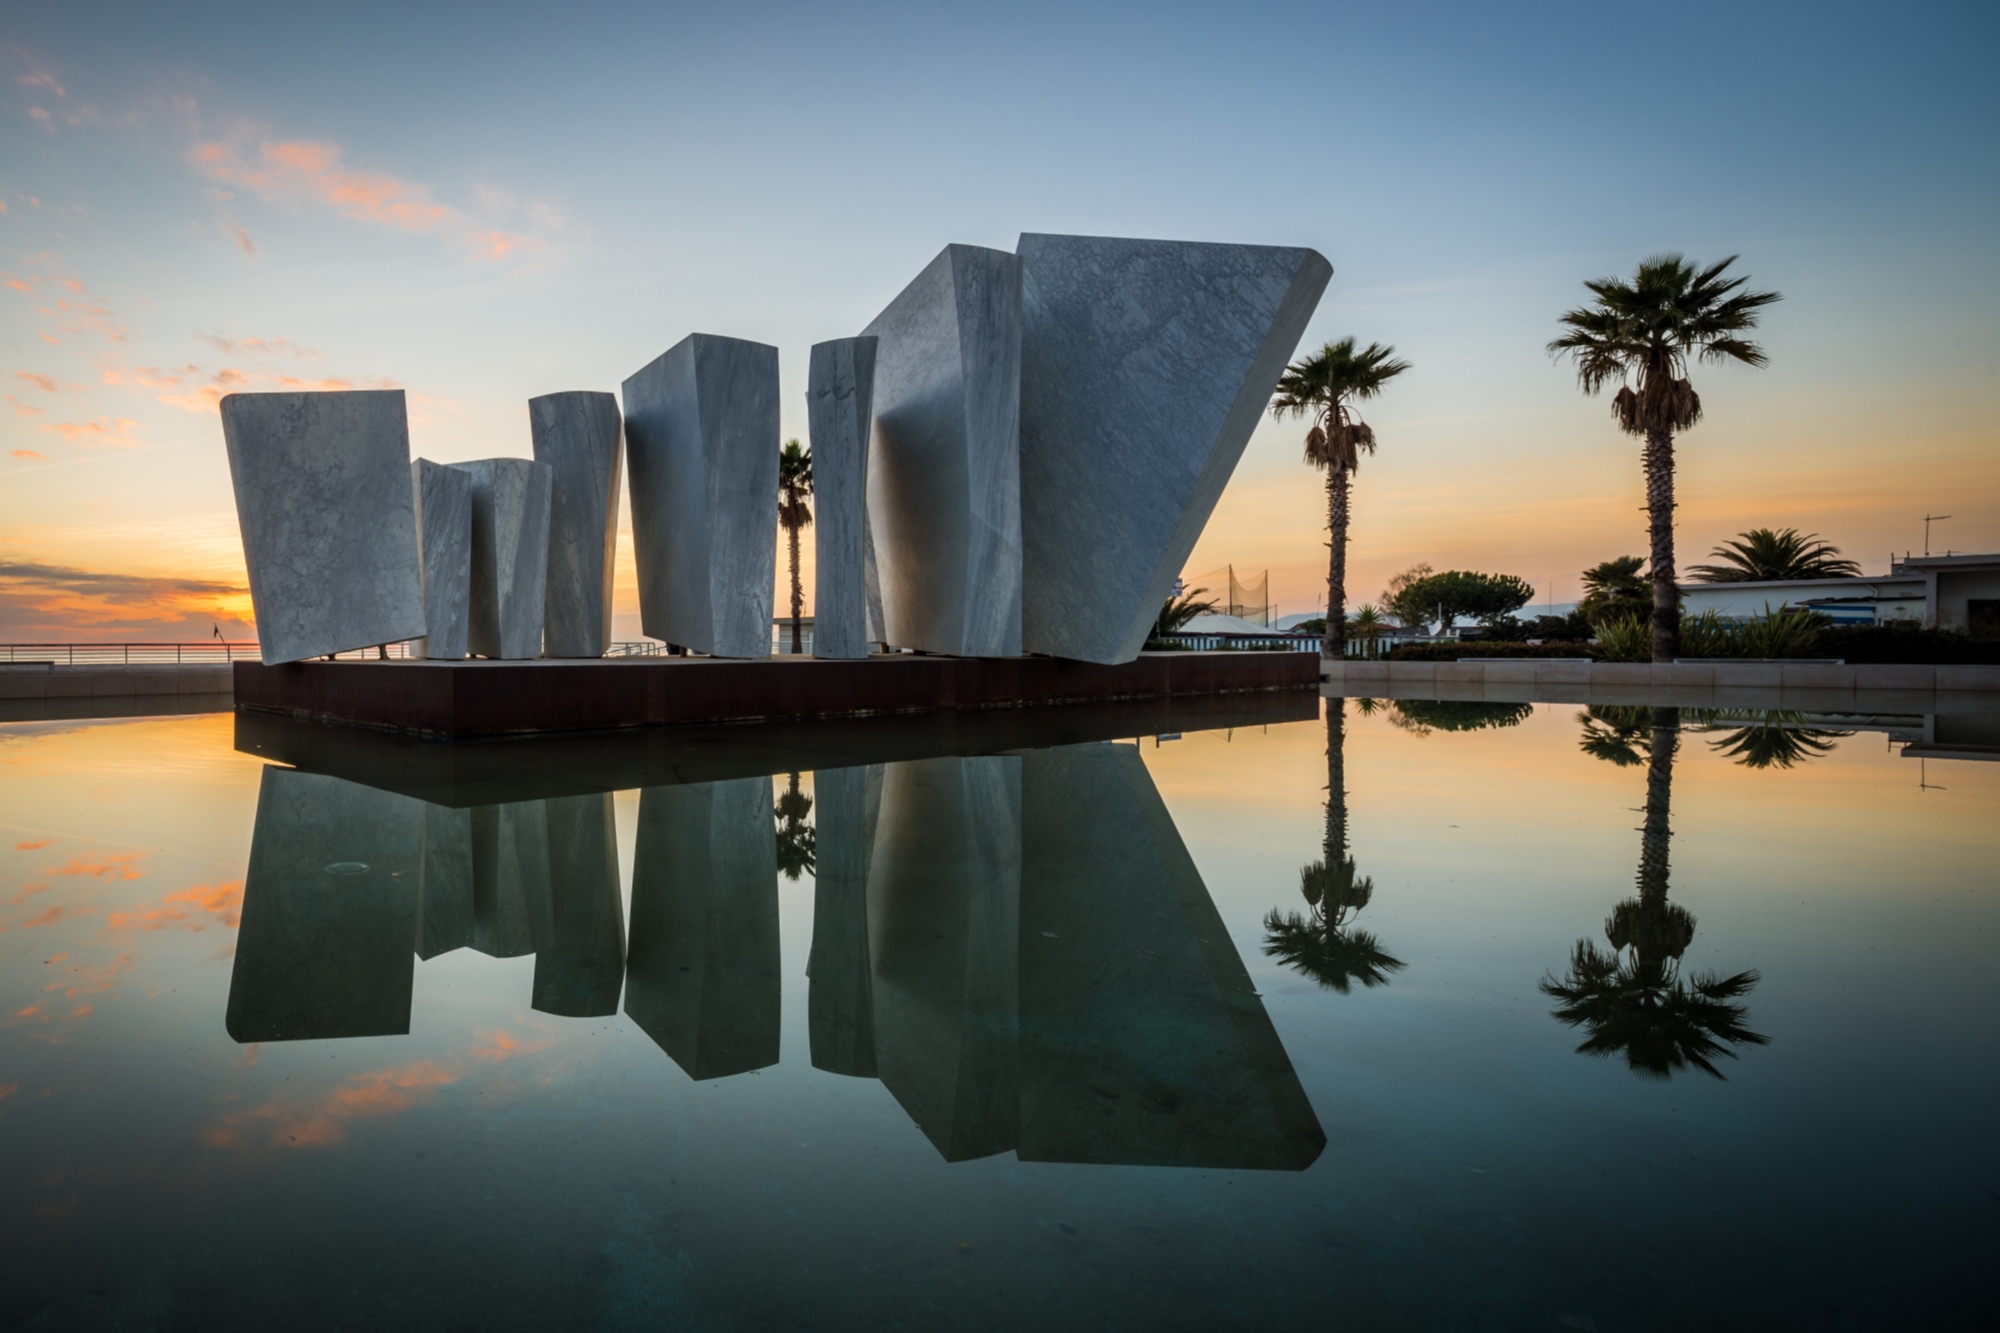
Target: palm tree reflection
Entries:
(1771, 738)
(1633, 999)
(1323, 944)
(797, 850)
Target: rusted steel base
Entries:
(480, 698)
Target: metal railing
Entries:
(215, 652)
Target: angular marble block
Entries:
(847, 595)
(329, 529)
(443, 497)
(329, 912)
(1142, 1039)
(581, 971)
(1145, 365)
(512, 914)
(944, 900)
(944, 475)
(701, 438)
(840, 1000)
(576, 434)
(702, 972)
(510, 555)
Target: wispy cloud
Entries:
(109, 432)
(316, 173)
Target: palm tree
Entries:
(1633, 998)
(1614, 589)
(798, 851)
(1325, 386)
(1761, 555)
(1368, 624)
(1640, 336)
(795, 487)
(1323, 945)
(1178, 611)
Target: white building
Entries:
(1954, 592)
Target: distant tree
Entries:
(1761, 555)
(797, 842)
(1421, 717)
(1615, 589)
(1178, 611)
(1460, 592)
(795, 488)
(1325, 386)
(1640, 335)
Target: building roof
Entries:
(1940, 562)
(1915, 580)
(1219, 624)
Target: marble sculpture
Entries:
(944, 495)
(701, 439)
(443, 502)
(576, 434)
(847, 596)
(510, 556)
(329, 528)
(1145, 365)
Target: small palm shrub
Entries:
(1781, 634)
(1626, 639)
(1709, 635)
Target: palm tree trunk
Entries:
(798, 597)
(1659, 461)
(1336, 780)
(1337, 482)
(1657, 833)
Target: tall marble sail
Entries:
(847, 595)
(510, 555)
(443, 499)
(1144, 368)
(701, 438)
(577, 434)
(702, 969)
(944, 903)
(328, 522)
(329, 923)
(944, 475)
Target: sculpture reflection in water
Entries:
(1325, 945)
(1017, 944)
(1633, 1000)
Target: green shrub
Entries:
(1625, 639)
(1709, 635)
(1781, 634)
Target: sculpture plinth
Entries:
(701, 436)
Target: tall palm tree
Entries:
(1761, 555)
(1325, 386)
(1633, 999)
(1323, 945)
(1640, 335)
(798, 852)
(795, 488)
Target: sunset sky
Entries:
(479, 204)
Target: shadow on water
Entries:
(1633, 1000)
(1015, 943)
(1324, 944)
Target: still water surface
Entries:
(1413, 1015)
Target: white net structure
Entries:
(1246, 599)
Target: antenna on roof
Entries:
(1928, 520)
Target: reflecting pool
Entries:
(1346, 1012)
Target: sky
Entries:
(479, 204)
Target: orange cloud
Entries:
(302, 168)
(22, 409)
(111, 431)
(64, 599)
(35, 846)
(501, 1044)
(194, 909)
(120, 865)
(379, 1092)
(46, 383)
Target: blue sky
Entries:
(484, 203)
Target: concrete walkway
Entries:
(40, 682)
